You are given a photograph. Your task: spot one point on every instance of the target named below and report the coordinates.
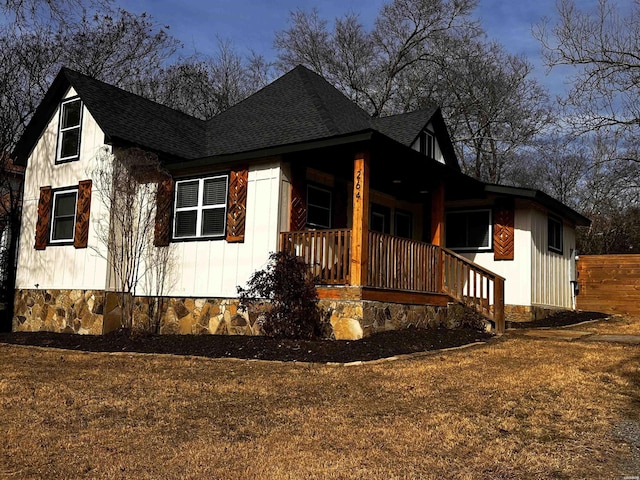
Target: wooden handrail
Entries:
(474, 286)
(401, 264)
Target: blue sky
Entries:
(251, 24)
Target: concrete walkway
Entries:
(571, 335)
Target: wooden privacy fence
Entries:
(609, 283)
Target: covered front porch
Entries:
(358, 263)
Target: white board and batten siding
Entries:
(536, 276)
(215, 268)
(517, 288)
(61, 267)
(551, 272)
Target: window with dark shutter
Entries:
(200, 208)
(469, 230)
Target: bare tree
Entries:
(371, 67)
(601, 46)
(423, 52)
(126, 183)
(206, 85)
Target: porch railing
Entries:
(326, 251)
(474, 286)
(401, 264)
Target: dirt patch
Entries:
(380, 345)
(559, 319)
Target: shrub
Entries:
(288, 285)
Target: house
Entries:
(394, 231)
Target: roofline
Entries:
(357, 137)
(542, 198)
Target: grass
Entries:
(514, 408)
(617, 324)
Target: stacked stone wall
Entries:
(63, 311)
(97, 312)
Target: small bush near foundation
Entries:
(288, 285)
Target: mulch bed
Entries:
(380, 345)
(559, 319)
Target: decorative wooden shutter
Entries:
(503, 231)
(237, 204)
(83, 210)
(298, 214)
(44, 218)
(164, 200)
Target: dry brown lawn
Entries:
(616, 324)
(515, 408)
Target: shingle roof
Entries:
(300, 106)
(405, 127)
(132, 118)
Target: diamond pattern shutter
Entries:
(81, 236)
(298, 214)
(503, 231)
(237, 204)
(44, 218)
(164, 200)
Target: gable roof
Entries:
(298, 107)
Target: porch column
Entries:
(437, 216)
(360, 224)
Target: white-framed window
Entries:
(469, 230)
(69, 130)
(63, 215)
(428, 143)
(318, 207)
(200, 207)
(554, 234)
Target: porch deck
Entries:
(398, 270)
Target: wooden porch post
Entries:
(498, 304)
(437, 216)
(360, 224)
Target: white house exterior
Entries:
(288, 159)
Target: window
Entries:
(69, 131)
(428, 144)
(403, 224)
(380, 219)
(200, 208)
(318, 207)
(554, 233)
(63, 216)
(469, 230)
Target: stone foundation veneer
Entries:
(97, 312)
(526, 313)
(64, 311)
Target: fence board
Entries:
(609, 283)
